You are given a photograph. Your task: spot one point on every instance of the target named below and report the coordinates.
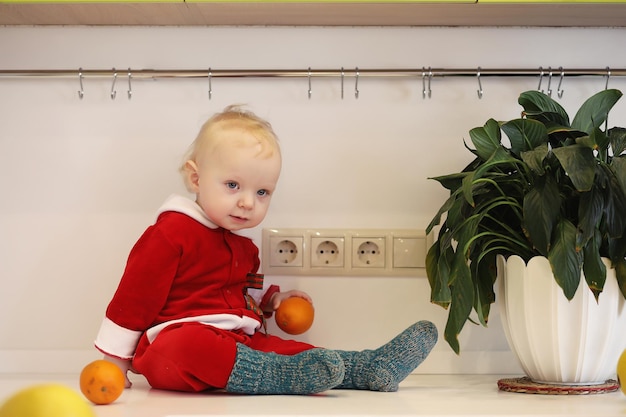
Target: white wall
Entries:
(81, 179)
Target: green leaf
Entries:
(542, 206)
(468, 188)
(541, 107)
(438, 271)
(614, 205)
(500, 164)
(525, 134)
(601, 140)
(617, 137)
(486, 139)
(451, 181)
(534, 158)
(593, 267)
(616, 248)
(457, 216)
(461, 306)
(579, 164)
(618, 166)
(587, 141)
(590, 212)
(447, 206)
(565, 260)
(595, 110)
(464, 235)
(486, 273)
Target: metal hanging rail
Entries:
(287, 73)
(426, 74)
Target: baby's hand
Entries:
(124, 364)
(280, 296)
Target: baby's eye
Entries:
(262, 193)
(232, 185)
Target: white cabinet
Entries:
(318, 13)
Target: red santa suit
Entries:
(188, 295)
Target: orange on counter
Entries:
(102, 382)
(294, 315)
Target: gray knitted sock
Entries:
(384, 368)
(308, 372)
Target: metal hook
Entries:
(342, 77)
(356, 83)
(549, 81)
(210, 87)
(430, 77)
(559, 90)
(480, 87)
(540, 79)
(310, 92)
(113, 92)
(81, 92)
(130, 87)
(424, 90)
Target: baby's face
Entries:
(236, 183)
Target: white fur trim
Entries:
(116, 340)
(221, 321)
(183, 205)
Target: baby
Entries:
(189, 312)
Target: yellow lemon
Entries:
(621, 371)
(46, 400)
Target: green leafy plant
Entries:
(556, 189)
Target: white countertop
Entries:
(419, 395)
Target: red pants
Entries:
(196, 357)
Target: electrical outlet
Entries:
(368, 252)
(344, 252)
(286, 251)
(327, 252)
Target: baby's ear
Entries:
(190, 171)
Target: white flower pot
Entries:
(557, 341)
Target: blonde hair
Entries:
(233, 117)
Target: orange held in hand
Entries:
(102, 382)
(295, 315)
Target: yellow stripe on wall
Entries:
(552, 1)
(241, 1)
(326, 1)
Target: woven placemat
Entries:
(525, 385)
